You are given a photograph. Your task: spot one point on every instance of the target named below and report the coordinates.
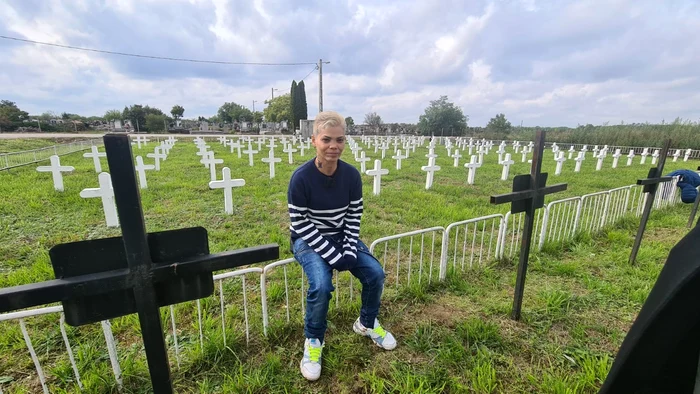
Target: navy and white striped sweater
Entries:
(321, 206)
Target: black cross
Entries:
(136, 273)
(527, 196)
(694, 210)
(651, 184)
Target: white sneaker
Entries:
(311, 363)
(379, 335)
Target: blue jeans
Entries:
(320, 276)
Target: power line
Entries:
(307, 75)
(157, 57)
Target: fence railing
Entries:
(22, 158)
(409, 258)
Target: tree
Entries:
(155, 123)
(372, 119)
(47, 116)
(232, 112)
(442, 118)
(349, 121)
(112, 115)
(177, 111)
(278, 109)
(293, 105)
(302, 108)
(9, 112)
(499, 125)
(137, 115)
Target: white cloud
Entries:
(549, 63)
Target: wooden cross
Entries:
(651, 183)
(136, 273)
(527, 196)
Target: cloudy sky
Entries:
(539, 62)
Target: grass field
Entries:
(454, 336)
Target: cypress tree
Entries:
(303, 109)
(292, 96)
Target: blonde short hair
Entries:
(327, 119)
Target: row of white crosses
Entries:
(105, 191)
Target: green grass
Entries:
(15, 145)
(454, 336)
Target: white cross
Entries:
(560, 162)
(289, 149)
(141, 169)
(362, 161)
(141, 139)
(301, 149)
(579, 159)
(157, 155)
(516, 146)
(472, 165)
(95, 155)
(616, 157)
(501, 150)
(210, 162)
(482, 151)
(506, 167)
(687, 155)
(571, 152)
(654, 157)
(250, 153)
(260, 141)
(644, 155)
(272, 144)
(203, 149)
(272, 160)
(106, 193)
(471, 146)
(456, 156)
(55, 169)
(377, 173)
(383, 148)
(601, 157)
(676, 155)
(227, 184)
(398, 159)
(595, 151)
(524, 153)
(630, 156)
(430, 169)
(165, 149)
(235, 145)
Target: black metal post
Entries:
(651, 184)
(128, 201)
(527, 196)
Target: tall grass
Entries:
(683, 133)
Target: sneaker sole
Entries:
(311, 378)
(358, 331)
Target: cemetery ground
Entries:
(454, 336)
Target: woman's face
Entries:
(329, 143)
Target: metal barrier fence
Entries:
(18, 159)
(408, 258)
(481, 242)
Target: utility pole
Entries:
(320, 84)
(39, 123)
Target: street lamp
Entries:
(272, 92)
